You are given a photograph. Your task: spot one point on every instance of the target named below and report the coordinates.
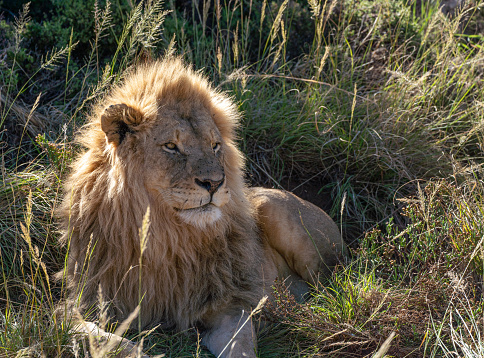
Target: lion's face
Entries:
(183, 160)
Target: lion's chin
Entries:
(202, 216)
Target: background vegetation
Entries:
(373, 110)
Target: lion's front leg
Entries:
(104, 343)
(231, 335)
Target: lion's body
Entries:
(164, 139)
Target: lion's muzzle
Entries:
(210, 185)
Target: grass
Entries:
(371, 109)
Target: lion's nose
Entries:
(210, 185)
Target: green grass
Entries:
(375, 108)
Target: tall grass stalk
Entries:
(143, 234)
(19, 28)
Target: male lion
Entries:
(165, 139)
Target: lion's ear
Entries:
(119, 120)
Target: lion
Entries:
(165, 139)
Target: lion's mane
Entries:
(187, 271)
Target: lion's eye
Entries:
(216, 147)
(170, 147)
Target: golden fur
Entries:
(106, 199)
(164, 139)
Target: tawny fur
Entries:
(164, 139)
(188, 272)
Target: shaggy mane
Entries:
(187, 272)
